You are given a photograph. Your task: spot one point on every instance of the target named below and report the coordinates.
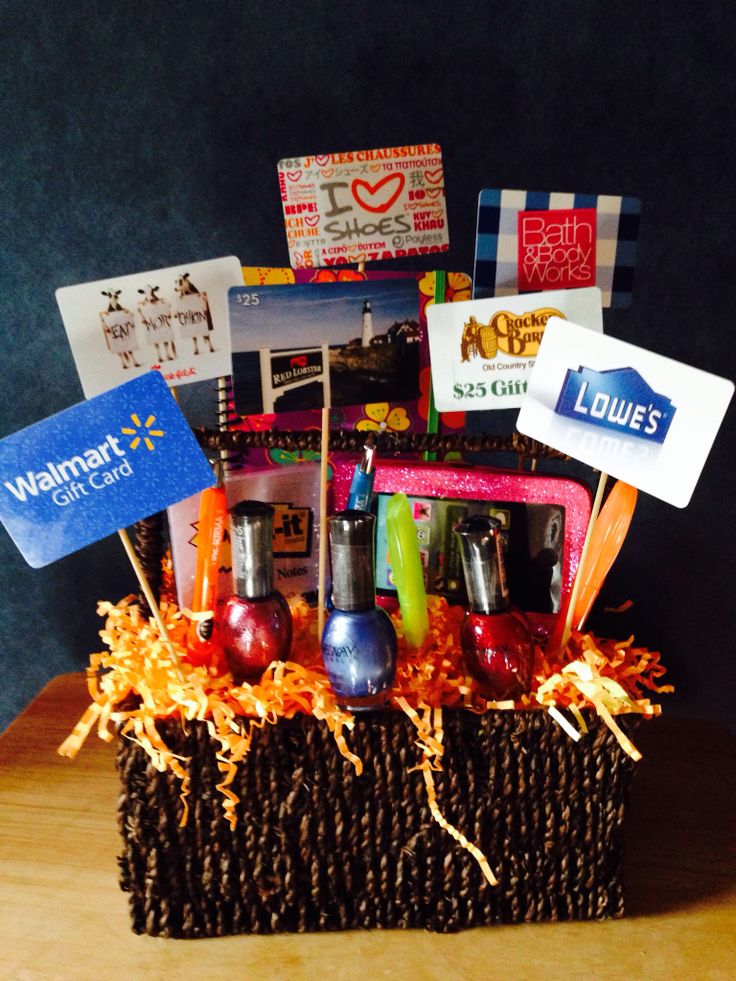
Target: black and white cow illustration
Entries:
(192, 313)
(118, 327)
(156, 316)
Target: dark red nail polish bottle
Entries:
(256, 622)
(496, 640)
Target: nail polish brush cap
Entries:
(351, 557)
(482, 547)
(251, 539)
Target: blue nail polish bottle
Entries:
(359, 640)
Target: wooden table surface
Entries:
(62, 914)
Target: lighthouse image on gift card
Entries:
(306, 346)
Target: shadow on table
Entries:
(680, 827)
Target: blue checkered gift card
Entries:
(529, 241)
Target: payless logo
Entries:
(556, 249)
(617, 399)
(92, 469)
(518, 335)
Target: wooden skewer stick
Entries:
(583, 556)
(322, 568)
(150, 598)
(323, 451)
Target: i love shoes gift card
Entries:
(529, 241)
(640, 417)
(172, 320)
(364, 205)
(483, 351)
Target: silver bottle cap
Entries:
(251, 540)
(351, 557)
(482, 550)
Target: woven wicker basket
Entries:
(318, 848)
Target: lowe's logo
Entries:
(616, 399)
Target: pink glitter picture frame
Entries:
(451, 481)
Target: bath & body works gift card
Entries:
(529, 241)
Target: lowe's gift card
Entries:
(642, 418)
(80, 475)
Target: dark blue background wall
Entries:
(142, 135)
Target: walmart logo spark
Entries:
(142, 432)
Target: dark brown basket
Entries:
(317, 847)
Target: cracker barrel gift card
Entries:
(98, 466)
(171, 320)
(483, 351)
(364, 205)
(529, 241)
(645, 419)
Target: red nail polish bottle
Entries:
(496, 640)
(256, 622)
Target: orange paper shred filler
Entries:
(619, 609)
(429, 740)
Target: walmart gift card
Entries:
(529, 241)
(630, 413)
(364, 205)
(483, 351)
(172, 320)
(78, 476)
